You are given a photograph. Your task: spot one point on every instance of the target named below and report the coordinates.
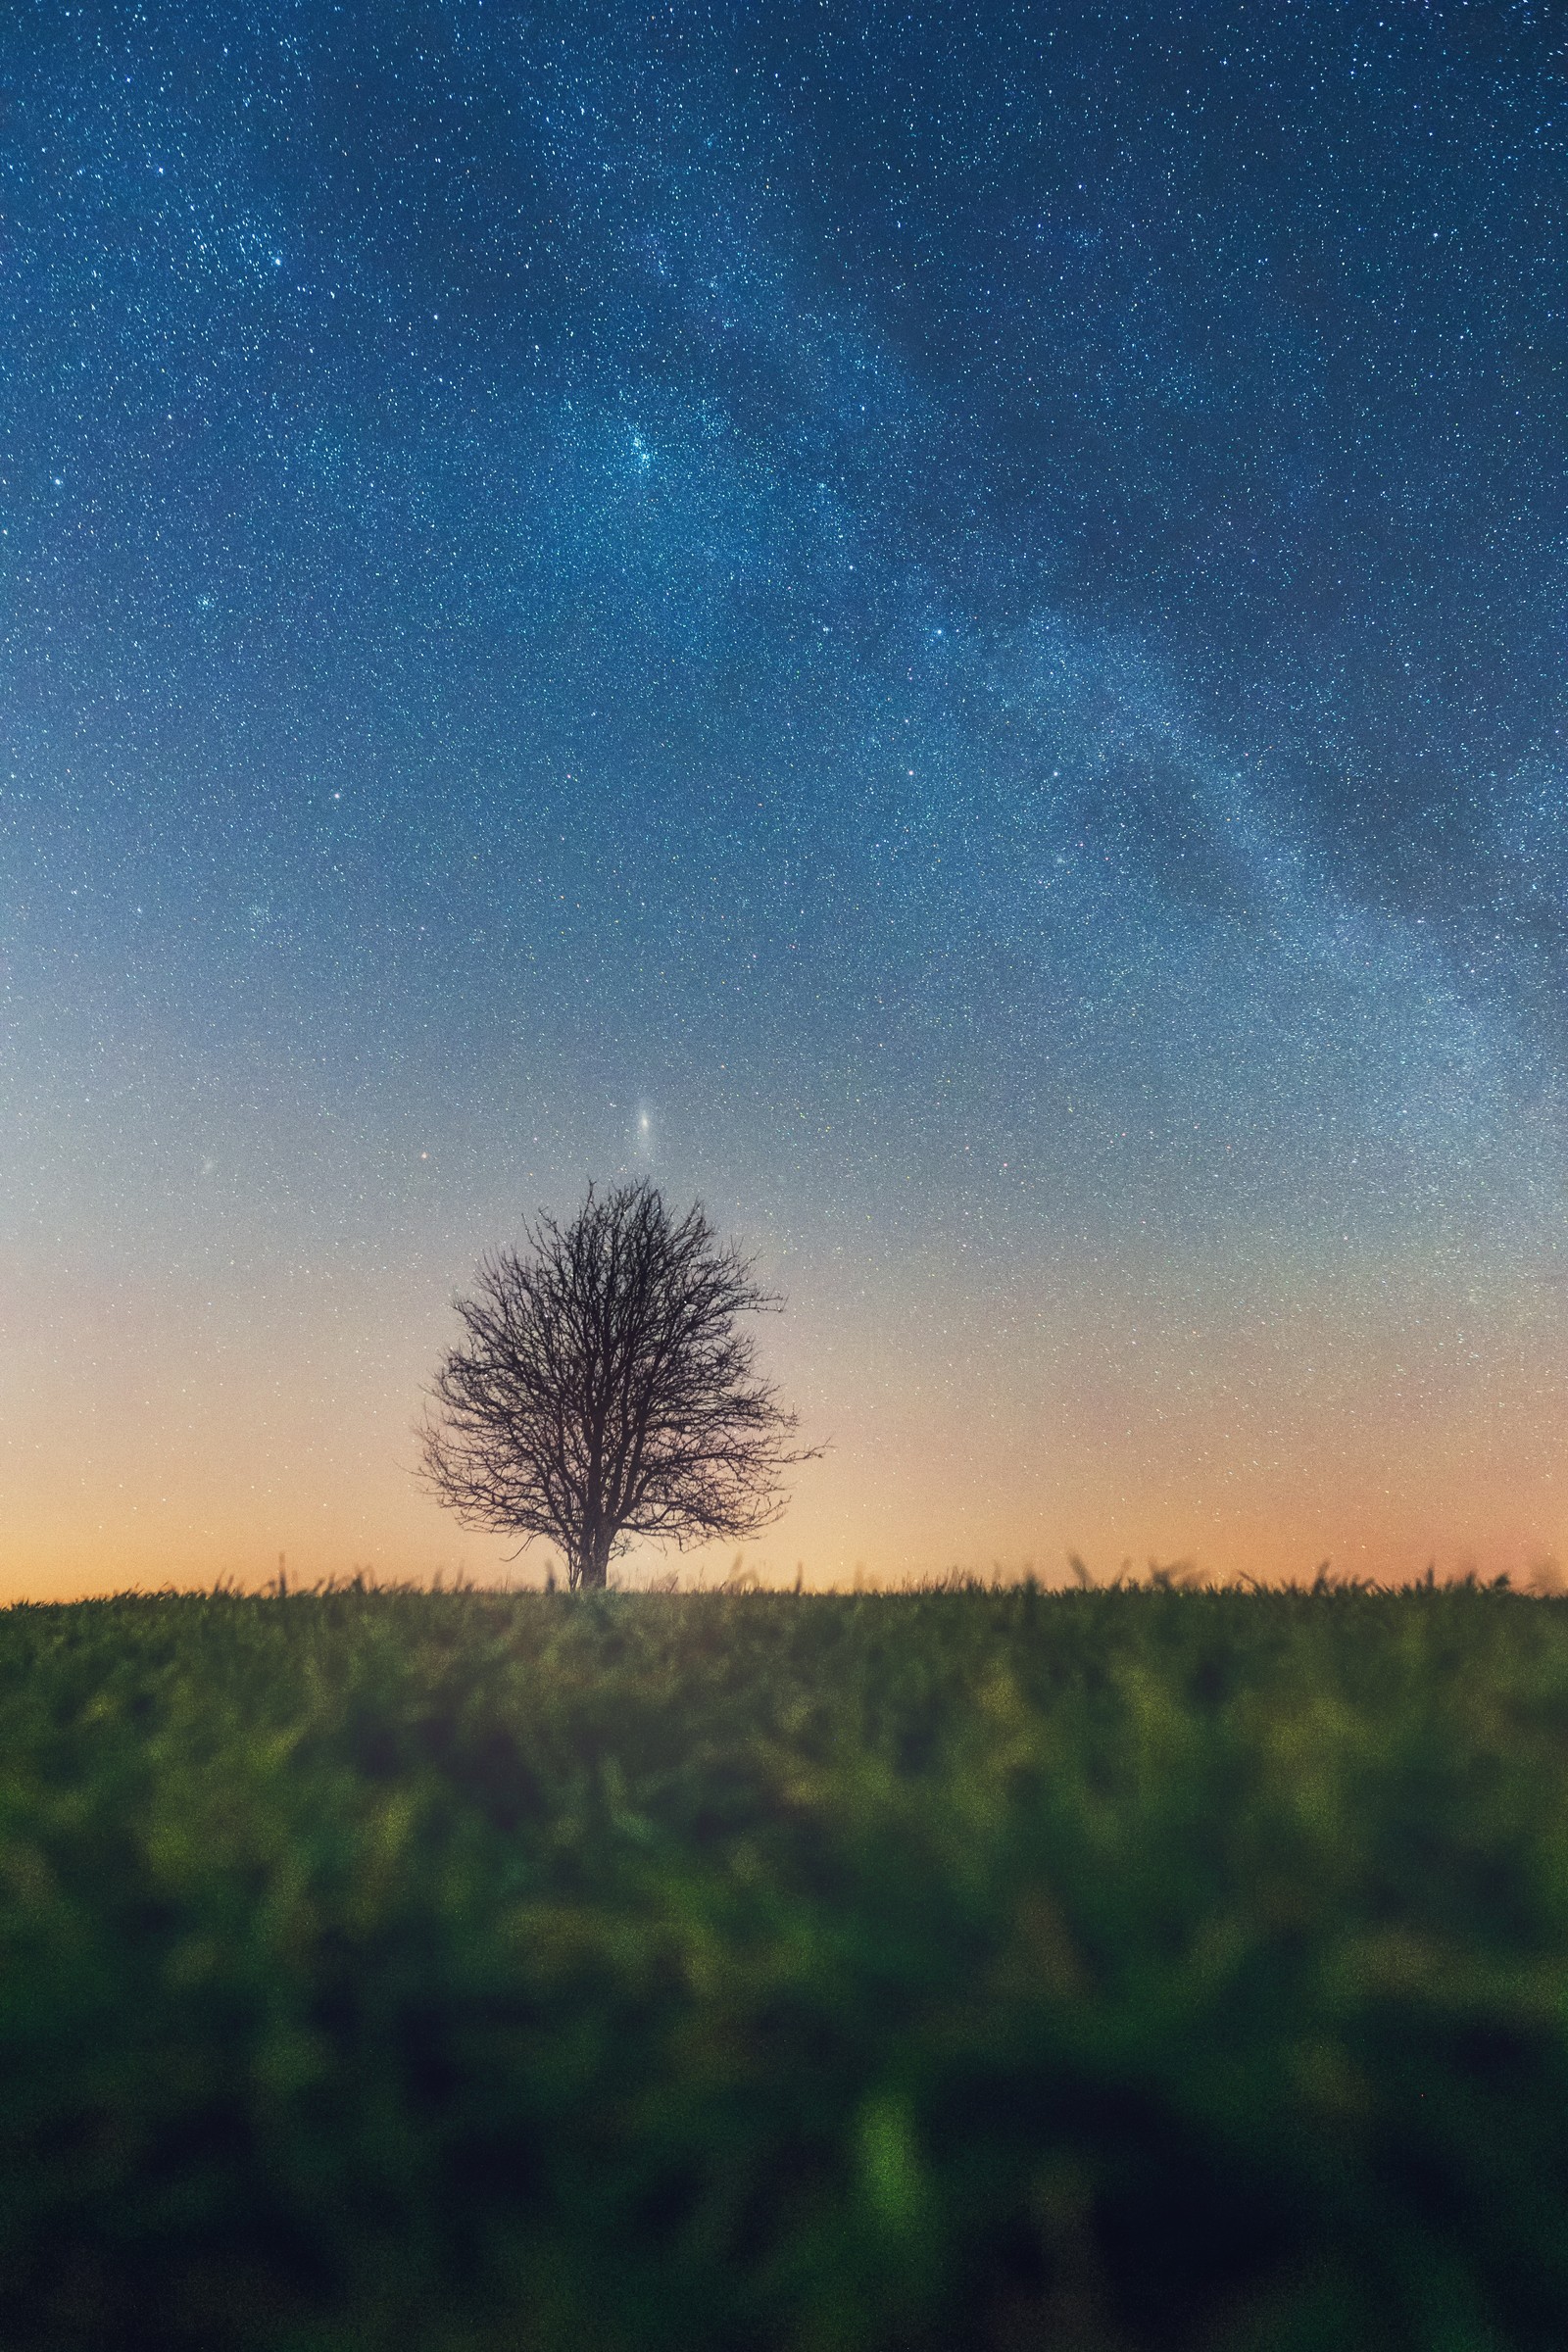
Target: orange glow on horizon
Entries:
(1252, 1429)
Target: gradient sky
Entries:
(944, 625)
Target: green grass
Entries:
(1122, 1969)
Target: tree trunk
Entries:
(593, 1564)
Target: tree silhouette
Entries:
(603, 1390)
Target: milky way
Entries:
(943, 625)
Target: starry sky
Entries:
(943, 625)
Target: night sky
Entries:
(940, 624)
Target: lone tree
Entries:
(602, 1392)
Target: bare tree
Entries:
(603, 1390)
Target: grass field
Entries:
(1123, 1969)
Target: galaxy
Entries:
(941, 627)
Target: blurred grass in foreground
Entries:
(1110, 1969)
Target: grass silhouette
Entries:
(1106, 1970)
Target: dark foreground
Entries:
(1116, 1971)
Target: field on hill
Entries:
(1102, 1971)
